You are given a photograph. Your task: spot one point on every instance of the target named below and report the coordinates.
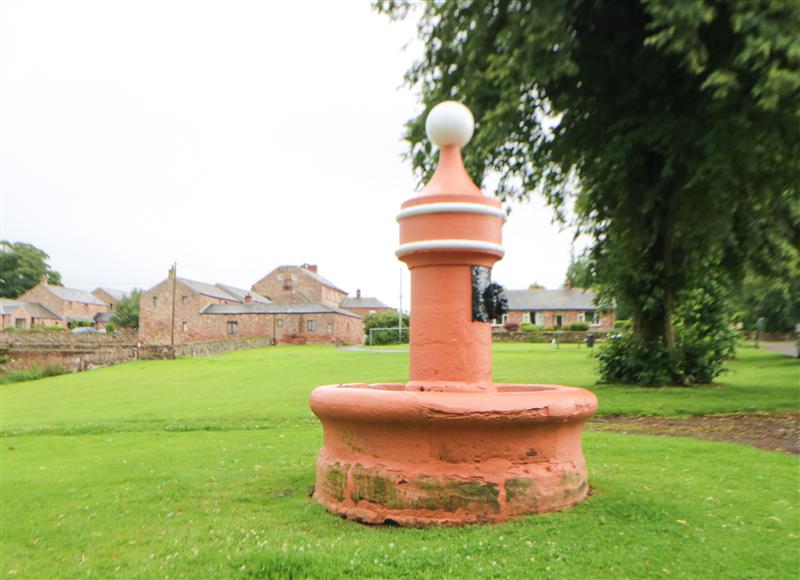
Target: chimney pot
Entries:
(358, 293)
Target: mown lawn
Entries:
(203, 467)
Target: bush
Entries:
(110, 328)
(32, 374)
(511, 326)
(625, 358)
(527, 327)
(622, 324)
(389, 321)
(579, 326)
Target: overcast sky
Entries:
(229, 137)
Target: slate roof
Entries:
(35, 309)
(240, 293)
(80, 318)
(274, 308)
(222, 291)
(38, 310)
(562, 299)
(115, 294)
(362, 302)
(74, 295)
(9, 306)
(104, 317)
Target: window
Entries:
(538, 319)
(504, 319)
(184, 300)
(526, 318)
(330, 329)
(233, 327)
(559, 320)
(593, 316)
(19, 323)
(581, 317)
(155, 301)
(311, 325)
(280, 323)
(185, 327)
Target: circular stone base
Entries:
(416, 458)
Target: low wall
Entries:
(567, 336)
(80, 352)
(74, 351)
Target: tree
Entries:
(535, 286)
(22, 266)
(674, 127)
(387, 319)
(126, 312)
(579, 272)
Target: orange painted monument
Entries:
(450, 446)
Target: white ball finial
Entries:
(450, 123)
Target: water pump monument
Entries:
(450, 446)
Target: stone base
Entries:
(417, 458)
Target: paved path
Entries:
(361, 349)
(787, 348)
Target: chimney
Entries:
(248, 299)
(310, 267)
(358, 293)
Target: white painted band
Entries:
(451, 207)
(449, 245)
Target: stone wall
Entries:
(75, 351)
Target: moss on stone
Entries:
(335, 481)
(369, 485)
(521, 489)
(452, 494)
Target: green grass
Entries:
(203, 467)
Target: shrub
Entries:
(622, 324)
(110, 328)
(32, 373)
(527, 327)
(511, 326)
(579, 326)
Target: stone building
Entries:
(17, 314)
(556, 308)
(291, 305)
(364, 305)
(69, 304)
(109, 296)
(292, 284)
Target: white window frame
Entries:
(311, 325)
(526, 318)
(538, 319)
(280, 323)
(581, 316)
(233, 327)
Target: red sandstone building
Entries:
(290, 305)
(556, 308)
(48, 305)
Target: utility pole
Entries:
(400, 311)
(173, 274)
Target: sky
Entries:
(227, 137)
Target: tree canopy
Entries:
(22, 266)
(126, 312)
(673, 128)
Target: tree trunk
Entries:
(654, 325)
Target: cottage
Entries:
(364, 305)
(18, 314)
(556, 308)
(69, 304)
(293, 284)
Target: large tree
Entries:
(126, 312)
(674, 127)
(22, 266)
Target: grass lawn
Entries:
(202, 467)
